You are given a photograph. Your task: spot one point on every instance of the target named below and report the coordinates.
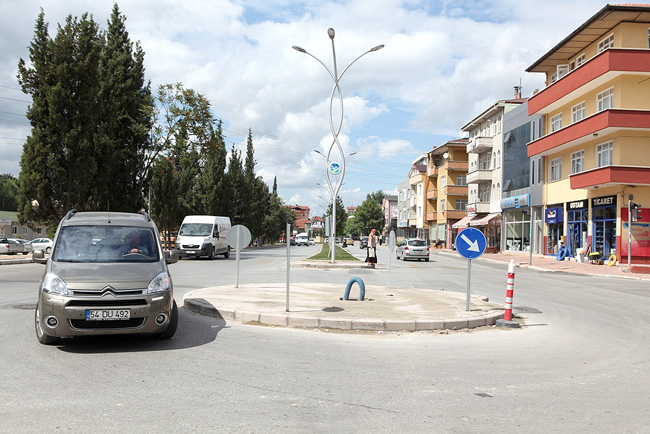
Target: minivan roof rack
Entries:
(70, 213)
(144, 213)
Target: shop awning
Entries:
(462, 223)
(483, 220)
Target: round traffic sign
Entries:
(238, 237)
(470, 243)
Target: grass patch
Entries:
(339, 255)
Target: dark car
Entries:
(292, 241)
(364, 243)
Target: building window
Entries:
(419, 212)
(461, 180)
(578, 112)
(494, 160)
(443, 181)
(555, 171)
(498, 159)
(606, 43)
(556, 122)
(580, 60)
(24, 230)
(606, 99)
(577, 162)
(461, 204)
(442, 205)
(14, 230)
(419, 191)
(562, 70)
(604, 154)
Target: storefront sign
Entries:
(578, 204)
(554, 215)
(604, 201)
(521, 201)
(470, 209)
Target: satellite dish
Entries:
(445, 155)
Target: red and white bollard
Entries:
(510, 289)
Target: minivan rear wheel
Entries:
(227, 254)
(42, 337)
(173, 325)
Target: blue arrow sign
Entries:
(470, 243)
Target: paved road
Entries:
(579, 365)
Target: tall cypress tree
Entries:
(125, 124)
(212, 173)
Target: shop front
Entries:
(490, 225)
(577, 223)
(554, 219)
(603, 218)
(516, 217)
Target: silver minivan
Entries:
(106, 274)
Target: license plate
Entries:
(191, 252)
(107, 314)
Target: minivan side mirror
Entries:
(171, 257)
(38, 256)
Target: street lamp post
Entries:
(334, 168)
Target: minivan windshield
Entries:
(106, 244)
(196, 229)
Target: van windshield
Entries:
(196, 229)
(106, 244)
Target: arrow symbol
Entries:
(473, 245)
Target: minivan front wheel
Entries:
(42, 337)
(173, 325)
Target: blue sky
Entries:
(443, 63)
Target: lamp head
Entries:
(302, 50)
(377, 48)
(330, 33)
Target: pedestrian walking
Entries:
(371, 253)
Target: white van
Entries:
(203, 235)
(302, 239)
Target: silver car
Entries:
(107, 274)
(9, 246)
(411, 248)
(26, 245)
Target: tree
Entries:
(368, 215)
(8, 192)
(211, 176)
(125, 122)
(341, 215)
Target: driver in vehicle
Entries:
(133, 244)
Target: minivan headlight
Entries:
(160, 283)
(53, 284)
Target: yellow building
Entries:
(596, 149)
(446, 194)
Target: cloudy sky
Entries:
(443, 63)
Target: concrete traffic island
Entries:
(322, 306)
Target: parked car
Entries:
(292, 241)
(44, 244)
(411, 248)
(312, 242)
(107, 274)
(364, 243)
(10, 247)
(27, 247)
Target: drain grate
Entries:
(333, 309)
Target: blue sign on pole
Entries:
(470, 243)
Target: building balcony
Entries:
(456, 165)
(609, 176)
(479, 145)
(599, 124)
(432, 194)
(413, 222)
(597, 71)
(456, 190)
(433, 171)
(431, 217)
(454, 214)
(478, 207)
(479, 176)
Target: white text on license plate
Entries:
(107, 314)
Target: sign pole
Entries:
(469, 284)
(288, 263)
(629, 231)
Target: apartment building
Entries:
(389, 212)
(485, 174)
(447, 192)
(522, 201)
(403, 208)
(596, 111)
(418, 183)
